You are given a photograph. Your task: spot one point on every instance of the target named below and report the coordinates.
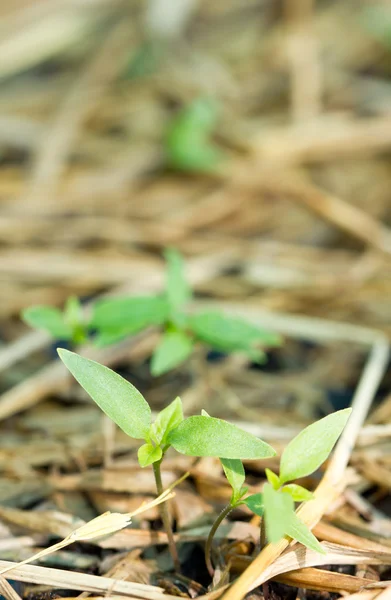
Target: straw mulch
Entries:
(291, 230)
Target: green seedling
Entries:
(116, 318)
(199, 435)
(302, 456)
(188, 143)
(69, 324)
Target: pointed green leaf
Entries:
(173, 349)
(49, 319)
(273, 479)
(299, 531)
(234, 472)
(207, 436)
(177, 288)
(278, 509)
(118, 398)
(148, 454)
(310, 448)
(297, 492)
(126, 316)
(73, 311)
(167, 419)
(231, 334)
(255, 503)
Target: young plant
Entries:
(117, 318)
(114, 319)
(303, 455)
(199, 435)
(69, 325)
(188, 143)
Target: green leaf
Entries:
(49, 319)
(310, 448)
(255, 503)
(299, 531)
(173, 349)
(207, 436)
(273, 479)
(297, 492)
(188, 144)
(177, 288)
(167, 419)
(148, 454)
(125, 316)
(282, 520)
(231, 334)
(279, 509)
(234, 472)
(73, 311)
(118, 398)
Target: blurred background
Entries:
(254, 130)
(252, 135)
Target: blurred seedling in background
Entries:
(114, 319)
(302, 456)
(199, 435)
(189, 145)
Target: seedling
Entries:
(194, 436)
(69, 325)
(114, 319)
(117, 318)
(188, 141)
(302, 456)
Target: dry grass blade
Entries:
(84, 582)
(7, 590)
(101, 526)
(324, 581)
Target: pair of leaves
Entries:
(63, 325)
(231, 334)
(195, 436)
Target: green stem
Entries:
(166, 517)
(208, 547)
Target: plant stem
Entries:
(265, 586)
(262, 532)
(166, 517)
(208, 547)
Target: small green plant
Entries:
(199, 435)
(116, 318)
(70, 324)
(302, 456)
(113, 319)
(188, 141)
